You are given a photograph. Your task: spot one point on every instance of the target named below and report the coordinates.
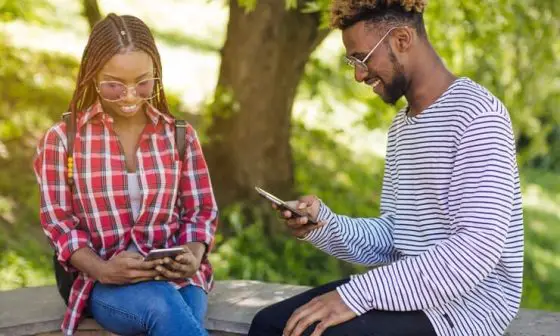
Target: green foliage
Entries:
(179, 38)
(541, 199)
(251, 251)
(509, 47)
(330, 81)
(249, 5)
(24, 270)
(33, 93)
(28, 10)
(308, 7)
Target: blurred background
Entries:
(265, 85)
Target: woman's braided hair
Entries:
(110, 36)
(113, 35)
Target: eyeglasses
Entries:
(114, 91)
(361, 64)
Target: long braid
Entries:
(110, 36)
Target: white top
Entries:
(135, 202)
(450, 236)
(135, 194)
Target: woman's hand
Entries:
(184, 265)
(128, 267)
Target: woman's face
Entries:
(124, 83)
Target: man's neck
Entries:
(428, 82)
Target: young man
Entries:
(449, 241)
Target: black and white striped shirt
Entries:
(450, 234)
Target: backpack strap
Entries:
(180, 134)
(70, 136)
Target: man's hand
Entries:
(300, 227)
(183, 266)
(328, 308)
(128, 267)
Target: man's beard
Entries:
(398, 86)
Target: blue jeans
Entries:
(149, 308)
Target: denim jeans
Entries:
(149, 308)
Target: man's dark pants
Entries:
(271, 320)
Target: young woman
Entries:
(114, 186)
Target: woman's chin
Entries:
(129, 110)
(126, 110)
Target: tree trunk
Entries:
(91, 12)
(263, 60)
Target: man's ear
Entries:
(403, 39)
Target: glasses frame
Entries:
(127, 88)
(362, 64)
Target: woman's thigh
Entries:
(197, 299)
(151, 307)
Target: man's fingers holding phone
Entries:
(302, 231)
(304, 222)
(297, 222)
(307, 205)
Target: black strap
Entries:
(180, 133)
(70, 133)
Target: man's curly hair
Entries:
(345, 13)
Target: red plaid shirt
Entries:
(177, 207)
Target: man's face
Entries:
(385, 74)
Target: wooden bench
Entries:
(232, 305)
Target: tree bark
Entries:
(263, 60)
(91, 12)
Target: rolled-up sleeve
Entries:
(56, 215)
(198, 208)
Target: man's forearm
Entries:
(88, 262)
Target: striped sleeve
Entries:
(365, 241)
(56, 215)
(481, 199)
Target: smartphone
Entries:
(164, 252)
(283, 205)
